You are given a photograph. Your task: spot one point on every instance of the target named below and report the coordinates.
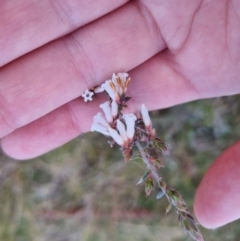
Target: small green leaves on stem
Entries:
(157, 163)
(184, 217)
(144, 177)
(168, 207)
(149, 186)
(190, 225)
(174, 195)
(159, 145)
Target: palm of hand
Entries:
(187, 50)
(202, 44)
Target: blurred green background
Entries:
(85, 191)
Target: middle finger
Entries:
(59, 72)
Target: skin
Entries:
(175, 52)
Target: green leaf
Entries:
(168, 208)
(159, 145)
(144, 177)
(193, 226)
(181, 207)
(148, 186)
(157, 163)
(186, 225)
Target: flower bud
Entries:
(116, 137)
(145, 116)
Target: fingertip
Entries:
(15, 150)
(217, 200)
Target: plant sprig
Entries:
(129, 131)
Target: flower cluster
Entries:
(129, 131)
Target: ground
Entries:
(85, 191)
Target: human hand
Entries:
(51, 51)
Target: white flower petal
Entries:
(98, 89)
(114, 106)
(122, 130)
(109, 88)
(98, 118)
(145, 116)
(116, 137)
(99, 128)
(130, 123)
(87, 95)
(107, 111)
(114, 80)
(125, 81)
(123, 77)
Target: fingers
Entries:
(48, 132)
(154, 83)
(27, 25)
(59, 72)
(217, 200)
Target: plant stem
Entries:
(146, 161)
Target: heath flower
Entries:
(100, 124)
(114, 107)
(130, 123)
(116, 137)
(122, 130)
(121, 81)
(145, 116)
(107, 111)
(127, 131)
(98, 89)
(117, 86)
(87, 95)
(110, 88)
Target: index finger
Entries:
(26, 25)
(60, 71)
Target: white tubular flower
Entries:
(107, 111)
(117, 86)
(87, 95)
(130, 122)
(114, 80)
(99, 128)
(123, 77)
(121, 81)
(100, 124)
(116, 137)
(145, 116)
(98, 118)
(122, 130)
(124, 81)
(114, 106)
(110, 88)
(98, 89)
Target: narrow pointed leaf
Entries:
(148, 186)
(144, 177)
(168, 208)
